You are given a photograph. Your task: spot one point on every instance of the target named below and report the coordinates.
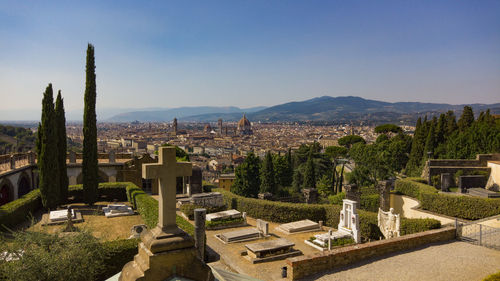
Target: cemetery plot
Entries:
(117, 210)
(299, 226)
(229, 214)
(326, 241)
(239, 235)
(61, 217)
(225, 219)
(270, 250)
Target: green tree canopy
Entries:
(267, 176)
(247, 182)
(334, 152)
(348, 141)
(388, 128)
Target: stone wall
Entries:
(302, 266)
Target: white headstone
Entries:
(349, 219)
(61, 215)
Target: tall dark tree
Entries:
(466, 119)
(309, 173)
(430, 142)
(89, 162)
(282, 171)
(39, 142)
(48, 159)
(417, 150)
(247, 182)
(62, 148)
(267, 176)
(451, 123)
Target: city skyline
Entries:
(249, 54)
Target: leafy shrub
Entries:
(370, 202)
(78, 256)
(436, 180)
(465, 207)
(188, 209)
(337, 198)
(18, 210)
(493, 277)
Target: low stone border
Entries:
(242, 240)
(301, 267)
(292, 253)
(219, 227)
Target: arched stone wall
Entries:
(6, 191)
(102, 177)
(23, 184)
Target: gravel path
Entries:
(447, 261)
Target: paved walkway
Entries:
(447, 261)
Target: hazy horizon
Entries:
(249, 53)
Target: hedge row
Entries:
(18, 210)
(465, 207)
(108, 191)
(147, 207)
(281, 212)
(118, 253)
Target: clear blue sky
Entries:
(250, 53)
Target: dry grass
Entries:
(95, 221)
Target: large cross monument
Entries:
(166, 250)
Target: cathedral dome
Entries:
(244, 126)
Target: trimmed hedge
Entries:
(107, 191)
(147, 207)
(118, 253)
(370, 202)
(18, 210)
(465, 207)
(281, 212)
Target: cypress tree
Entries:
(247, 182)
(451, 123)
(89, 161)
(309, 175)
(466, 119)
(62, 145)
(430, 142)
(267, 181)
(48, 159)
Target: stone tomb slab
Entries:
(229, 214)
(117, 210)
(271, 250)
(481, 192)
(58, 217)
(299, 226)
(239, 235)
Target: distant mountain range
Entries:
(321, 109)
(181, 113)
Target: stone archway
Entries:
(23, 185)
(102, 177)
(6, 191)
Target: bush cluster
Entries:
(281, 212)
(464, 207)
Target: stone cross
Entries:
(166, 171)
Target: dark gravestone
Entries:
(196, 181)
(199, 231)
(310, 195)
(352, 193)
(446, 182)
(466, 182)
(384, 188)
(72, 157)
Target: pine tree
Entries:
(62, 145)
(267, 176)
(48, 164)
(451, 123)
(309, 174)
(466, 119)
(89, 161)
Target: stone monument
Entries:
(384, 188)
(310, 195)
(166, 250)
(389, 223)
(446, 182)
(349, 220)
(352, 193)
(196, 181)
